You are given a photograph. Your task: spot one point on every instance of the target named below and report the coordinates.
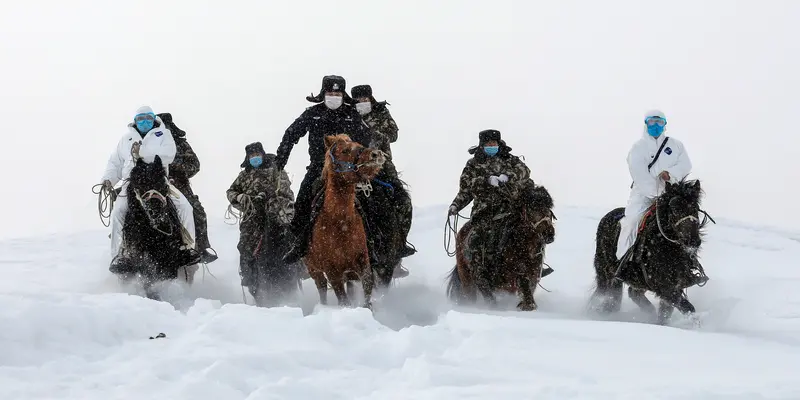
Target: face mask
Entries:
(144, 123)
(491, 150)
(364, 108)
(333, 102)
(655, 130)
(256, 161)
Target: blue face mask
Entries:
(491, 150)
(655, 130)
(256, 161)
(144, 126)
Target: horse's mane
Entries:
(689, 190)
(538, 196)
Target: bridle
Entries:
(706, 218)
(152, 194)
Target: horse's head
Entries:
(537, 212)
(678, 211)
(350, 160)
(148, 186)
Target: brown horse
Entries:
(338, 246)
(530, 229)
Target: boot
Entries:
(206, 257)
(700, 277)
(399, 271)
(546, 271)
(121, 265)
(406, 250)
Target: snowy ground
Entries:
(69, 331)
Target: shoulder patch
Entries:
(158, 134)
(668, 151)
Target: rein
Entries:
(346, 166)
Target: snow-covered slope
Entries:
(69, 331)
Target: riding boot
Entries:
(699, 276)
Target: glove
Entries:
(108, 186)
(494, 181)
(503, 178)
(452, 210)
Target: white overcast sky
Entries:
(566, 82)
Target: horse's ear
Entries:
(668, 186)
(696, 185)
(329, 141)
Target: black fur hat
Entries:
(488, 135)
(331, 83)
(256, 147)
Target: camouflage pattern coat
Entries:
(384, 129)
(276, 202)
(491, 204)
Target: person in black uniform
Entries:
(332, 115)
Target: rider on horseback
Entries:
(147, 137)
(652, 161)
(259, 192)
(332, 115)
(384, 132)
(491, 178)
(185, 166)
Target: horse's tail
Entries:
(605, 255)
(454, 286)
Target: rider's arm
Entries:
(387, 127)
(519, 173)
(162, 146)
(186, 162)
(293, 133)
(115, 163)
(644, 181)
(467, 182)
(235, 190)
(285, 186)
(682, 167)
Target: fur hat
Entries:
(331, 83)
(488, 135)
(256, 147)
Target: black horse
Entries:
(528, 229)
(662, 260)
(386, 226)
(152, 232)
(274, 280)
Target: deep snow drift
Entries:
(69, 331)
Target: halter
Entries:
(706, 218)
(345, 166)
(150, 194)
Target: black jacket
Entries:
(320, 121)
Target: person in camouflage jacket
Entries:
(185, 166)
(384, 130)
(261, 192)
(492, 178)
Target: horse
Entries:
(660, 261)
(152, 232)
(338, 243)
(274, 279)
(519, 270)
(378, 200)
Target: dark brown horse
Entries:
(338, 246)
(530, 229)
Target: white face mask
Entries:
(333, 102)
(364, 108)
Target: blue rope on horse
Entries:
(385, 184)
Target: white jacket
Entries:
(157, 142)
(673, 159)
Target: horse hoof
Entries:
(527, 306)
(367, 305)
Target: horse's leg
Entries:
(482, 278)
(669, 302)
(368, 281)
(638, 297)
(337, 283)
(350, 288)
(322, 284)
(525, 293)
